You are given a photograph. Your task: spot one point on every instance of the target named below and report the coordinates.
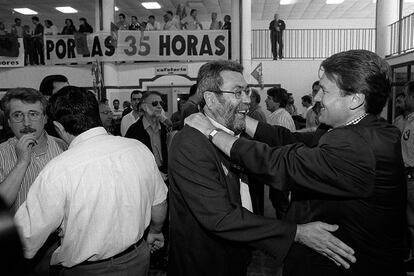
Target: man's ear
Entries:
(210, 99)
(357, 100)
(59, 128)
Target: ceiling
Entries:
(261, 9)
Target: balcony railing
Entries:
(313, 43)
(402, 35)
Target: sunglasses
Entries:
(155, 103)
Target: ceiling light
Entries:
(287, 2)
(330, 2)
(409, 1)
(116, 8)
(25, 11)
(66, 9)
(151, 5)
(374, 1)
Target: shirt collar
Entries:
(220, 126)
(356, 120)
(91, 133)
(146, 124)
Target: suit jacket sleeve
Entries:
(202, 183)
(282, 25)
(342, 165)
(279, 136)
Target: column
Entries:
(106, 9)
(235, 29)
(387, 12)
(246, 38)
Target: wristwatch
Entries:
(213, 133)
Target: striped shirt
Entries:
(8, 160)
(281, 117)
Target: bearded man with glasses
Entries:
(23, 156)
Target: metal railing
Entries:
(402, 35)
(313, 43)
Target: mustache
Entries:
(27, 130)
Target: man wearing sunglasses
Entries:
(212, 227)
(23, 156)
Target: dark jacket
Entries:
(280, 23)
(210, 232)
(353, 177)
(138, 132)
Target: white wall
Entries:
(320, 24)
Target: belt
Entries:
(126, 251)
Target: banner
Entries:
(140, 46)
(258, 74)
(17, 61)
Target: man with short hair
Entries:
(190, 22)
(153, 25)
(134, 26)
(101, 194)
(37, 42)
(23, 156)
(170, 24)
(212, 228)
(307, 104)
(192, 105)
(353, 176)
(277, 26)
(122, 24)
(17, 28)
(401, 112)
(255, 110)
(52, 83)
(215, 24)
(276, 101)
(107, 118)
(134, 115)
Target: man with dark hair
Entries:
(212, 226)
(17, 28)
(401, 112)
(37, 42)
(255, 110)
(276, 27)
(134, 115)
(190, 22)
(276, 101)
(52, 83)
(307, 104)
(152, 25)
(134, 26)
(353, 177)
(122, 24)
(104, 189)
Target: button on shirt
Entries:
(8, 160)
(407, 142)
(155, 137)
(99, 193)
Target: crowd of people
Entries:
(87, 201)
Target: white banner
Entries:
(14, 61)
(138, 46)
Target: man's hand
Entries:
(199, 122)
(155, 240)
(24, 148)
(317, 236)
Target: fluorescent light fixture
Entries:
(116, 8)
(287, 2)
(332, 2)
(374, 1)
(66, 9)
(151, 5)
(409, 1)
(25, 11)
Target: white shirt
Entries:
(127, 121)
(155, 27)
(246, 199)
(281, 117)
(51, 31)
(99, 193)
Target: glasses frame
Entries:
(24, 114)
(157, 103)
(237, 94)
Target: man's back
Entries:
(100, 192)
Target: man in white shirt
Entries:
(50, 29)
(276, 101)
(190, 22)
(135, 114)
(101, 194)
(153, 25)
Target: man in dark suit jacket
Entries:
(276, 28)
(212, 228)
(353, 177)
(150, 131)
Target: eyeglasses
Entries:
(106, 112)
(155, 103)
(18, 117)
(237, 94)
